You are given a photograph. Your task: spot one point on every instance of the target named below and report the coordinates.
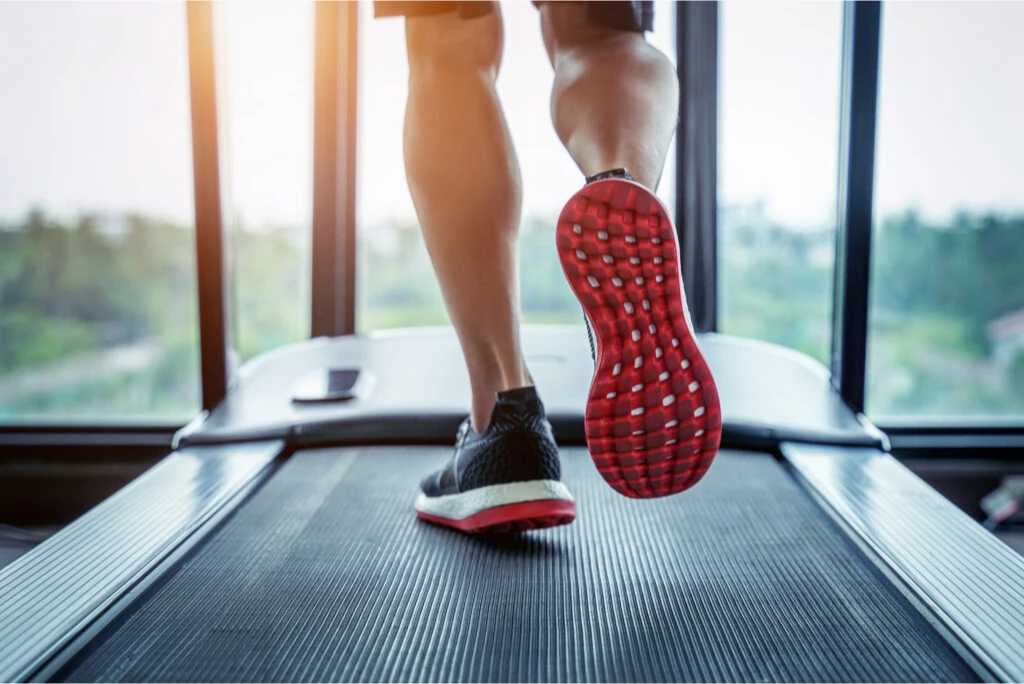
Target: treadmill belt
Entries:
(324, 574)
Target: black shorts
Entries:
(627, 16)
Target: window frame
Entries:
(335, 98)
(696, 159)
(213, 339)
(855, 199)
(209, 241)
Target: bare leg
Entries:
(615, 98)
(653, 418)
(465, 183)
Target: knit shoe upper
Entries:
(504, 479)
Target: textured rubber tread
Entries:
(516, 517)
(653, 420)
(323, 575)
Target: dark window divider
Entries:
(697, 158)
(334, 169)
(213, 348)
(858, 112)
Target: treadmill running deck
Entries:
(325, 574)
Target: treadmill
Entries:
(278, 542)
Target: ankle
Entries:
(620, 172)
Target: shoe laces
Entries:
(590, 339)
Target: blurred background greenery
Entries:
(98, 317)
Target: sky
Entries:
(95, 113)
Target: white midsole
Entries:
(458, 506)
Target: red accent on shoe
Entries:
(649, 370)
(516, 517)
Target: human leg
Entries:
(465, 183)
(615, 98)
(505, 473)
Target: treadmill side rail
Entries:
(970, 579)
(51, 593)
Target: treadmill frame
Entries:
(920, 549)
(58, 589)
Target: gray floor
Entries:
(1015, 540)
(15, 542)
(10, 552)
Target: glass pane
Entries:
(396, 284)
(98, 317)
(779, 77)
(265, 71)
(947, 296)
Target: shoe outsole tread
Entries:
(653, 420)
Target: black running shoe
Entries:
(504, 480)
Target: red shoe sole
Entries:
(516, 517)
(653, 419)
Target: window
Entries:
(97, 264)
(265, 113)
(947, 295)
(396, 283)
(779, 73)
